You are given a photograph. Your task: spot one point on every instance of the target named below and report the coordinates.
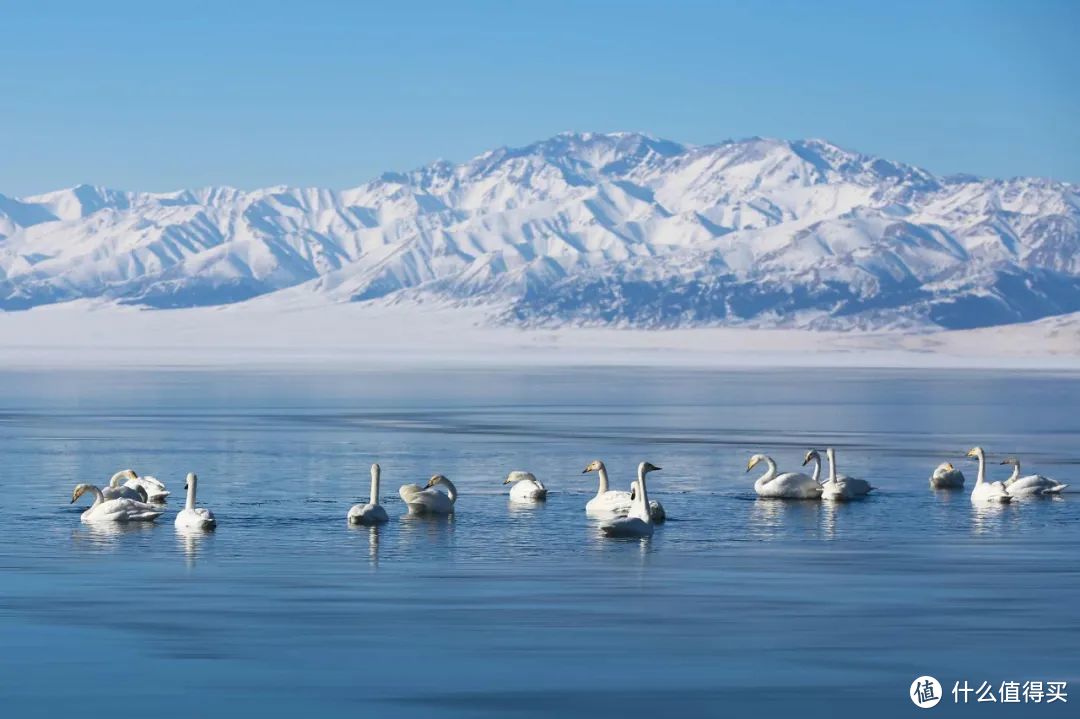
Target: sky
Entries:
(162, 96)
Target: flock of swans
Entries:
(131, 498)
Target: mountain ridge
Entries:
(620, 229)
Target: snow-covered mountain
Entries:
(620, 229)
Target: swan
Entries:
(527, 488)
(638, 522)
(656, 510)
(372, 512)
(814, 456)
(986, 491)
(155, 490)
(946, 476)
(614, 501)
(192, 517)
(1033, 485)
(840, 487)
(115, 490)
(427, 499)
(790, 485)
(114, 510)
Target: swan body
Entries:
(527, 488)
(155, 490)
(841, 488)
(638, 521)
(372, 512)
(115, 490)
(789, 485)
(985, 491)
(114, 510)
(614, 501)
(946, 476)
(1033, 485)
(192, 517)
(428, 499)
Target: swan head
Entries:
(517, 476)
(947, 467)
(1011, 460)
(190, 479)
(375, 470)
(646, 467)
(754, 461)
(436, 479)
(80, 490)
(975, 453)
(810, 456)
(594, 466)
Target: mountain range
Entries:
(616, 229)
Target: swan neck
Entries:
(190, 504)
(770, 473)
(832, 465)
(981, 476)
(816, 476)
(603, 480)
(114, 481)
(1015, 473)
(374, 486)
(98, 496)
(642, 498)
(451, 490)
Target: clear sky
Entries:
(164, 95)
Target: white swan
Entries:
(192, 517)
(115, 490)
(372, 512)
(155, 490)
(114, 510)
(613, 501)
(986, 491)
(1033, 485)
(638, 522)
(946, 476)
(527, 488)
(790, 485)
(815, 457)
(427, 499)
(842, 488)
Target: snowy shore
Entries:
(83, 335)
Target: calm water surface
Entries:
(736, 604)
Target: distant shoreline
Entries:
(84, 335)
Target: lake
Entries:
(735, 604)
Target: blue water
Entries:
(735, 605)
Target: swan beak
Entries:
(586, 470)
(506, 481)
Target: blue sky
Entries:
(160, 96)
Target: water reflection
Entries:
(190, 541)
(989, 518)
(425, 529)
(371, 532)
(776, 518)
(107, 535)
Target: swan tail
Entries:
(1056, 490)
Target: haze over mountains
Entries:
(614, 229)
